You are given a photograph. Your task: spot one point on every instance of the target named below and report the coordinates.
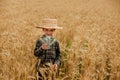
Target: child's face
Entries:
(48, 32)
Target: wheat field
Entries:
(89, 41)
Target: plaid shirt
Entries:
(51, 55)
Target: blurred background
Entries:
(89, 41)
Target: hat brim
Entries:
(56, 27)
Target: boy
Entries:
(47, 50)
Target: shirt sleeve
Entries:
(58, 54)
(38, 50)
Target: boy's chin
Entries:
(48, 35)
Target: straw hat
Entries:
(49, 24)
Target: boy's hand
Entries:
(44, 46)
(55, 67)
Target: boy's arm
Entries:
(58, 54)
(38, 50)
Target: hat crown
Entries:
(49, 22)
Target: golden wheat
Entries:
(90, 44)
